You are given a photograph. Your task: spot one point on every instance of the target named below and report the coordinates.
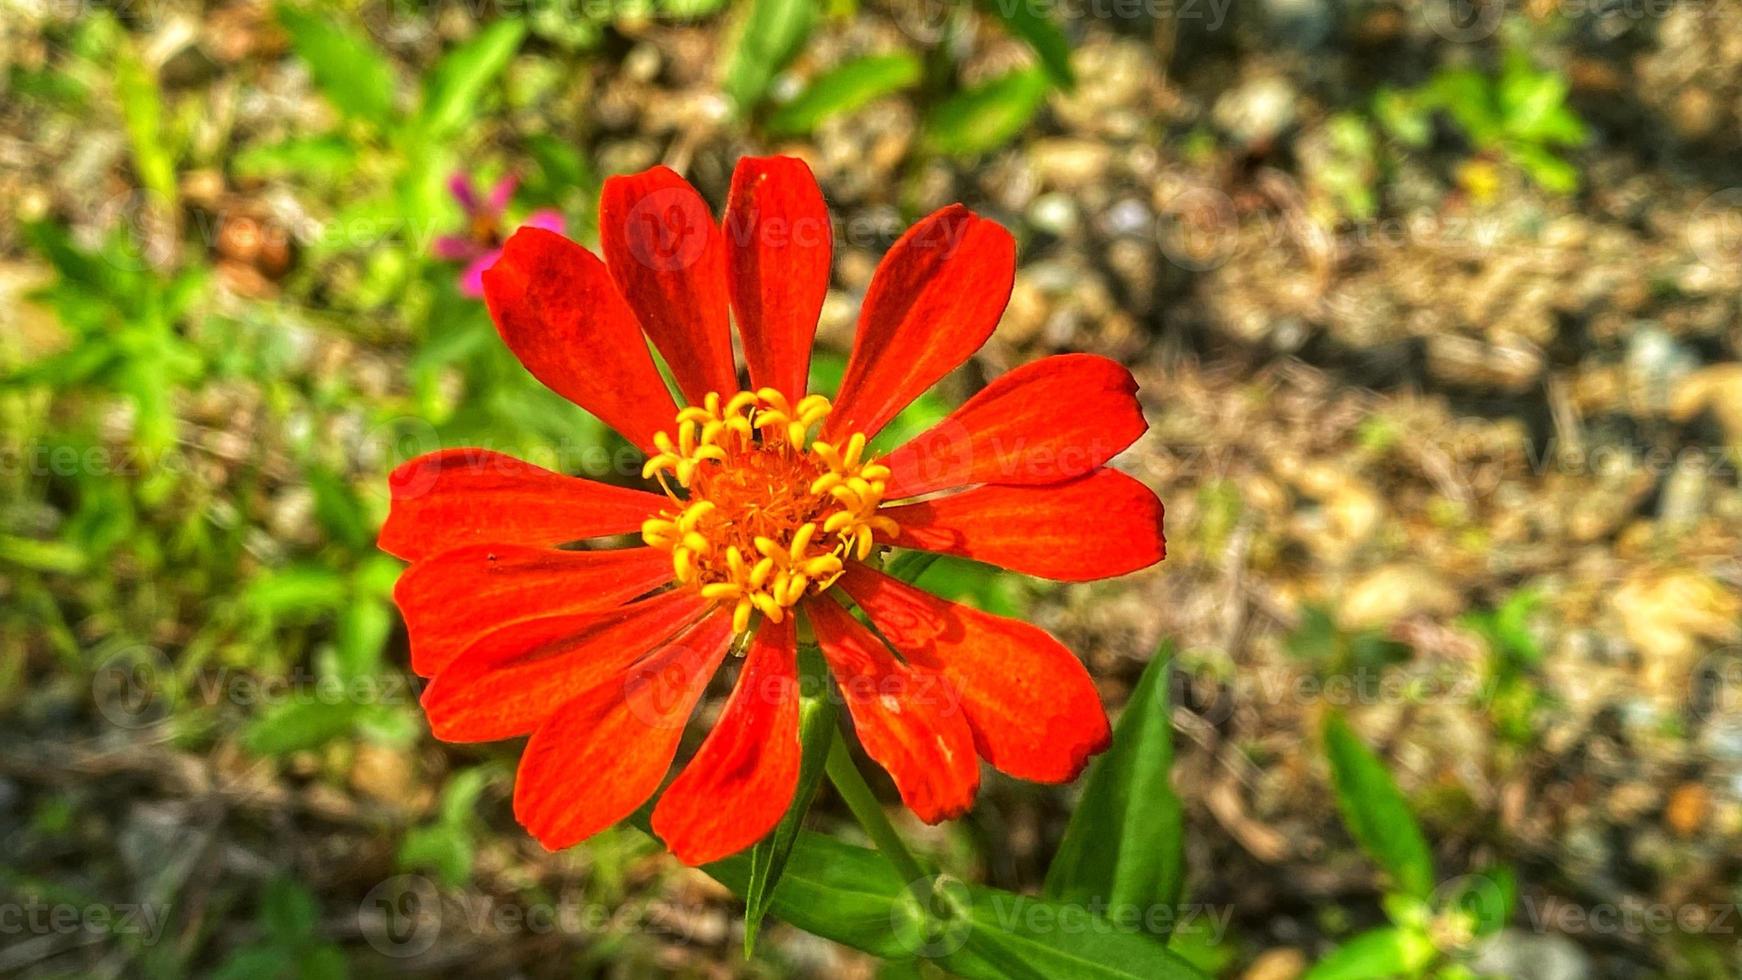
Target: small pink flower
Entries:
(481, 245)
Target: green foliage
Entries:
(853, 896)
(446, 846)
(1375, 811)
(985, 117)
(291, 946)
(354, 76)
(1515, 701)
(1125, 844)
(844, 90)
(1520, 115)
(772, 33)
(816, 728)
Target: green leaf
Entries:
(1375, 810)
(440, 849)
(843, 90)
(1376, 954)
(1488, 897)
(1029, 22)
(288, 911)
(324, 157)
(816, 730)
(1015, 936)
(349, 70)
(297, 591)
(833, 890)
(852, 895)
(298, 725)
(142, 111)
(363, 628)
(456, 86)
(1124, 846)
(42, 556)
(1548, 170)
(771, 34)
(908, 566)
(987, 116)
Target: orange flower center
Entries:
(767, 514)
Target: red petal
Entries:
(907, 718)
(668, 258)
(456, 497)
(515, 677)
(1095, 526)
(1032, 707)
(559, 312)
(778, 246)
(604, 753)
(452, 599)
(1045, 422)
(932, 302)
(739, 784)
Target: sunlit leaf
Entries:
(1375, 811)
(456, 86)
(348, 69)
(987, 116)
(845, 89)
(1124, 846)
(770, 35)
(1379, 953)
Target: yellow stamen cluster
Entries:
(768, 514)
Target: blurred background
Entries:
(1435, 305)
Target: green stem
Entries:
(851, 785)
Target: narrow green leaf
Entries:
(456, 86)
(816, 730)
(833, 890)
(298, 725)
(42, 556)
(987, 116)
(142, 111)
(771, 34)
(1124, 846)
(852, 895)
(1015, 936)
(908, 566)
(1029, 22)
(1384, 952)
(1375, 811)
(347, 67)
(309, 156)
(843, 90)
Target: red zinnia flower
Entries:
(772, 505)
